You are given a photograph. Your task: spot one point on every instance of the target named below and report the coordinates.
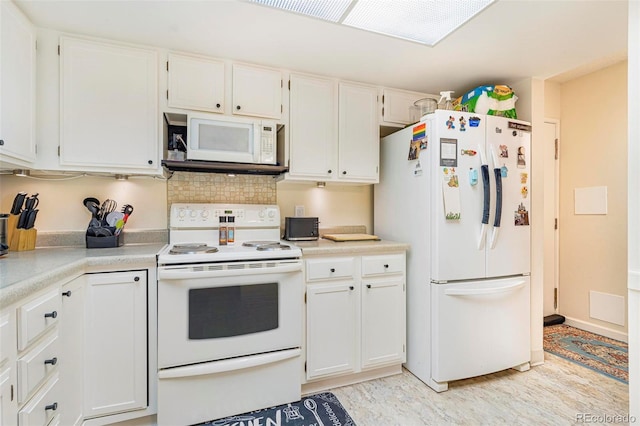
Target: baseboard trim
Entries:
(349, 379)
(593, 328)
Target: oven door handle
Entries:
(188, 272)
(227, 365)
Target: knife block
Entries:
(12, 225)
(23, 239)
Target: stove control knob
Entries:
(272, 214)
(205, 214)
(194, 213)
(261, 213)
(181, 213)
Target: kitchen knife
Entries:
(31, 219)
(16, 208)
(22, 220)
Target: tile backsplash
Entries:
(189, 187)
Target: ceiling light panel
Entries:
(329, 10)
(423, 21)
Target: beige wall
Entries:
(61, 200)
(593, 152)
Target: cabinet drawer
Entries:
(36, 365)
(383, 264)
(37, 316)
(337, 267)
(7, 336)
(42, 407)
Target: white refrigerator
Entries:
(456, 186)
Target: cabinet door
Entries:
(8, 408)
(115, 339)
(71, 361)
(18, 86)
(313, 128)
(108, 107)
(396, 106)
(383, 322)
(359, 133)
(257, 91)
(195, 83)
(332, 313)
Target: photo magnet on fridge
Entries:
(522, 216)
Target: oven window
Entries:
(232, 311)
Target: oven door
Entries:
(218, 311)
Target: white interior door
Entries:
(551, 246)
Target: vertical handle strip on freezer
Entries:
(485, 207)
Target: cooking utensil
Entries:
(114, 217)
(107, 207)
(27, 216)
(31, 219)
(16, 208)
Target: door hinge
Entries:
(556, 148)
(403, 349)
(167, 93)
(58, 150)
(11, 392)
(555, 224)
(289, 84)
(305, 297)
(281, 83)
(167, 66)
(36, 147)
(383, 99)
(58, 50)
(281, 109)
(305, 366)
(383, 108)
(555, 298)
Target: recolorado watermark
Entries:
(604, 418)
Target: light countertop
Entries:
(24, 272)
(328, 247)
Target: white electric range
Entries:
(229, 316)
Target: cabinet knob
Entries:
(368, 285)
(344, 172)
(329, 171)
(238, 107)
(332, 269)
(386, 266)
(67, 293)
(53, 406)
(53, 314)
(1, 142)
(150, 161)
(350, 287)
(52, 361)
(136, 279)
(218, 105)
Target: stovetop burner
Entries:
(266, 245)
(192, 249)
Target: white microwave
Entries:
(231, 139)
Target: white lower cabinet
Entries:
(115, 343)
(71, 361)
(355, 314)
(76, 352)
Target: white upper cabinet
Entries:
(17, 87)
(396, 106)
(313, 128)
(257, 91)
(195, 82)
(108, 107)
(334, 133)
(359, 133)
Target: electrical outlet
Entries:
(299, 211)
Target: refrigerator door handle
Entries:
(484, 291)
(486, 185)
(496, 222)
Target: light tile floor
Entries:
(558, 392)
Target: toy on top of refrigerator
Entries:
(497, 100)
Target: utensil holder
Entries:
(12, 225)
(105, 242)
(23, 239)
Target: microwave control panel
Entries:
(267, 142)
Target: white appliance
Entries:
(457, 187)
(229, 316)
(231, 139)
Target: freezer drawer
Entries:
(479, 327)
